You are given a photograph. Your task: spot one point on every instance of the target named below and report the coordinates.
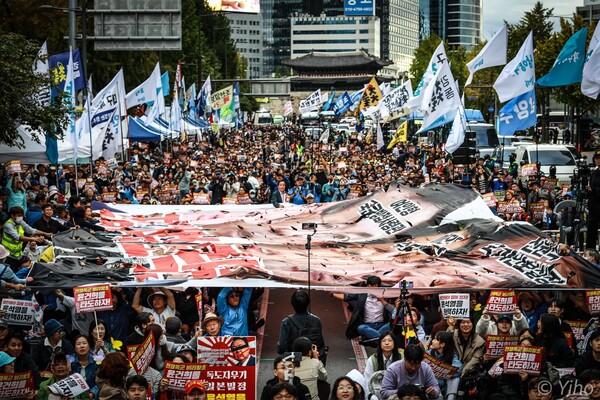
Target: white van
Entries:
(563, 157)
(263, 118)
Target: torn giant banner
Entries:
(440, 237)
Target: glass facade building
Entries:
(457, 21)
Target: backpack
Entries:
(312, 332)
(374, 385)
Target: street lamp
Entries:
(73, 11)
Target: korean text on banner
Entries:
(143, 355)
(518, 114)
(72, 386)
(518, 76)
(495, 344)
(440, 369)
(16, 386)
(523, 358)
(92, 298)
(593, 300)
(455, 305)
(177, 374)
(18, 312)
(502, 302)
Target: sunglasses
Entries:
(239, 348)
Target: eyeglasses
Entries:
(347, 387)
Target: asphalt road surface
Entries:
(344, 355)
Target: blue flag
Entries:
(568, 67)
(518, 114)
(164, 79)
(330, 100)
(342, 104)
(58, 71)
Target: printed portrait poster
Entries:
(231, 363)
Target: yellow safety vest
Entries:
(14, 247)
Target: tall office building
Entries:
(246, 33)
(457, 21)
(399, 31)
(590, 11)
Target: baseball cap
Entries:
(195, 384)
(505, 316)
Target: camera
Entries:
(309, 226)
(581, 174)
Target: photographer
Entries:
(594, 203)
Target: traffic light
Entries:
(467, 152)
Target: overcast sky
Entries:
(496, 11)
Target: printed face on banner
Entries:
(227, 350)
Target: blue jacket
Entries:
(90, 372)
(235, 319)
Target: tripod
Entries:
(308, 247)
(398, 326)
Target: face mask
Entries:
(89, 179)
(18, 220)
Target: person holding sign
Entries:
(61, 369)
(162, 302)
(410, 370)
(42, 353)
(503, 324)
(442, 348)
(552, 339)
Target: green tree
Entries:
(19, 87)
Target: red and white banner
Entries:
(495, 344)
(177, 374)
(441, 370)
(523, 358)
(593, 301)
(502, 302)
(90, 298)
(16, 386)
(72, 386)
(224, 350)
(578, 328)
(143, 355)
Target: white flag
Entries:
(590, 83)
(457, 134)
(69, 101)
(115, 86)
(175, 121)
(492, 54)
(42, 67)
(380, 142)
(287, 108)
(204, 94)
(440, 97)
(436, 61)
(312, 102)
(324, 136)
(394, 104)
(146, 91)
(518, 76)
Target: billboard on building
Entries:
(242, 6)
(359, 7)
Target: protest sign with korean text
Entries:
(143, 355)
(593, 300)
(16, 386)
(523, 358)
(12, 167)
(92, 298)
(18, 312)
(495, 344)
(440, 369)
(221, 350)
(178, 374)
(528, 170)
(578, 328)
(502, 302)
(455, 305)
(72, 386)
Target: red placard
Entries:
(523, 358)
(92, 298)
(494, 344)
(502, 302)
(143, 355)
(16, 386)
(440, 369)
(490, 199)
(593, 300)
(578, 327)
(178, 374)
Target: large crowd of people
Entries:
(282, 166)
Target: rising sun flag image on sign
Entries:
(439, 238)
